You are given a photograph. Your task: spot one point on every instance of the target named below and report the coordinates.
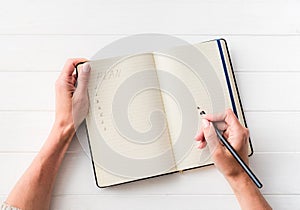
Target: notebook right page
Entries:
(185, 152)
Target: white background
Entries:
(36, 37)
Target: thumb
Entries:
(80, 97)
(83, 78)
(210, 135)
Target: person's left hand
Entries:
(72, 102)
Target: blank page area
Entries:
(180, 102)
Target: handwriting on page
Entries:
(111, 74)
(105, 75)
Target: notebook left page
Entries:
(126, 123)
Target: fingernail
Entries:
(205, 123)
(86, 67)
(200, 145)
(195, 137)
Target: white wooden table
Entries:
(36, 37)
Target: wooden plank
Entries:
(14, 165)
(145, 202)
(265, 53)
(277, 172)
(274, 131)
(74, 202)
(283, 202)
(24, 131)
(271, 168)
(119, 17)
(269, 91)
(48, 53)
(27, 91)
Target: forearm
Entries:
(34, 188)
(248, 195)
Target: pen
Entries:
(236, 156)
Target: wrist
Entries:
(65, 129)
(247, 193)
(239, 181)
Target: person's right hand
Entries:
(236, 134)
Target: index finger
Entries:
(215, 117)
(228, 116)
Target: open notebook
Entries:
(143, 111)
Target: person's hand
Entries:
(34, 189)
(236, 134)
(72, 102)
